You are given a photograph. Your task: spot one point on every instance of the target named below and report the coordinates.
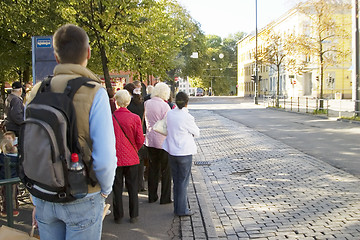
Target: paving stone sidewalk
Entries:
(256, 187)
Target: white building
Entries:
(184, 86)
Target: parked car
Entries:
(200, 92)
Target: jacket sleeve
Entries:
(139, 136)
(103, 138)
(192, 127)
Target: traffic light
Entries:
(260, 78)
(253, 77)
(317, 78)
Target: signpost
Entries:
(43, 59)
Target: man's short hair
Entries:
(71, 44)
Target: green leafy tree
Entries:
(20, 20)
(220, 69)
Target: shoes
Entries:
(117, 220)
(143, 190)
(15, 214)
(152, 200)
(171, 201)
(134, 220)
(189, 213)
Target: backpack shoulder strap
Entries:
(45, 85)
(74, 84)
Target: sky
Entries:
(224, 17)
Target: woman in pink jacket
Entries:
(159, 168)
(129, 139)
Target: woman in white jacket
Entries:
(180, 145)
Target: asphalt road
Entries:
(331, 141)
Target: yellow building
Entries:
(306, 82)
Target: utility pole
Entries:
(356, 60)
(256, 57)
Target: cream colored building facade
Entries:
(337, 77)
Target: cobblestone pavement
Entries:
(249, 186)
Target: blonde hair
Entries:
(7, 146)
(122, 98)
(11, 134)
(161, 90)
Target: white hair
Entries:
(123, 98)
(149, 89)
(162, 91)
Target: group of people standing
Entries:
(119, 139)
(169, 157)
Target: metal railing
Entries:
(331, 107)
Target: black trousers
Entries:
(159, 168)
(143, 156)
(131, 181)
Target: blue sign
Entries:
(43, 42)
(43, 59)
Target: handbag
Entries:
(161, 126)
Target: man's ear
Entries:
(57, 59)
(89, 53)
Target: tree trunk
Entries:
(26, 74)
(104, 62)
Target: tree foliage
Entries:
(322, 33)
(277, 53)
(220, 70)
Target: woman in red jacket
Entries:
(129, 139)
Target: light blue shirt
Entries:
(103, 140)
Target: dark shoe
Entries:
(134, 220)
(152, 200)
(171, 201)
(118, 220)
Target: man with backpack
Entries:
(58, 217)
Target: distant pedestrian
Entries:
(129, 139)
(14, 109)
(180, 145)
(110, 92)
(149, 90)
(155, 109)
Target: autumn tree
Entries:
(323, 33)
(276, 53)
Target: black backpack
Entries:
(47, 139)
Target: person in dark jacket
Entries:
(137, 106)
(14, 109)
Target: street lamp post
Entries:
(256, 57)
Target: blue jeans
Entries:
(80, 219)
(180, 169)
